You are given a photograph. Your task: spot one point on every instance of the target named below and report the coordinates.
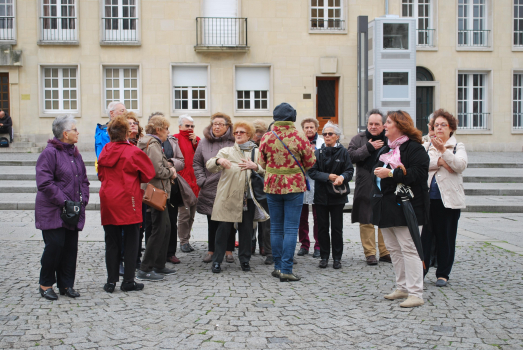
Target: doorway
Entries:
(424, 99)
(4, 92)
(326, 100)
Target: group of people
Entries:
(245, 178)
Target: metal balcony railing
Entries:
(517, 122)
(123, 29)
(473, 121)
(7, 28)
(518, 38)
(221, 31)
(327, 24)
(473, 38)
(58, 28)
(425, 37)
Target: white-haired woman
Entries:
(332, 172)
(60, 177)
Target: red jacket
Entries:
(121, 169)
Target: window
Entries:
(472, 101)
(422, 11)
(327, 15)
(472, 23)
(190, 88)
(58, 21)
(7, 20)
(518, 22)
(121, 84)
(517, 103)
(396, 36)
(60, 89)
(252, 88)
(395, 85)
(120, 20)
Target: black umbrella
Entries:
(405, 194)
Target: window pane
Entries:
(396, 36)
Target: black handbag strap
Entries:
(287, 148)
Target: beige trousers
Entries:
(405, 259)
(368, 240)
(185, 221)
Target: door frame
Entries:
(434, 84)
(337, 91)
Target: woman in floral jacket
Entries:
(285, 184)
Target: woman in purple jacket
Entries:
(60, 176)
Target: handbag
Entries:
(71, 210)
(257, 183)
(338, 191)
(296, 160)
(154, 197)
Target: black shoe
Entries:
(323, 263)
(49, 293)
(121, 270)
(109, 287)
(246, 266)
(149, 276)
(269, 260)
(337, 264)
(130, 286)
(186, 248)
(316, 253)
(216, 267)
(303, 251)
(165, 271)
(70, 292)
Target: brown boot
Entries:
(371, 260)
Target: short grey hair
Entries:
(375, 111)
(184, 117)
(154, 114)
(112, 106)
(62, 123)
(336, 128)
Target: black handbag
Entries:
(338, 191)
(257, 183)
(71, 210)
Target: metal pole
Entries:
(363, 70)
(386, 7)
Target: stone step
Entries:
(502, 165)
(29, 173)
(493, 175)
(30, 149)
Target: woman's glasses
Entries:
(218, 124)
(330, 134)
(133, 123)
(443, 125)
(239, 132)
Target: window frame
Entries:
(137, 42)
(516, 130)
(344, 17)
(487, 100)
(515, 47)
(489, 13)
(40, 30)
(193, 112)
(270, 94)
(392, 70)
(41, 92)
(103, 68)
(433, 23)
(13, 40)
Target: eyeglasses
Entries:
(442, 125)
(189, 126)
(219, 124)
(328, 134)
(133, 123)
(239, 132)
(75, 130)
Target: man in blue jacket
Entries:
(101, 138)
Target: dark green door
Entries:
(424, 107)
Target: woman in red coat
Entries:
(121, 169)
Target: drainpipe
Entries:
(386, 7)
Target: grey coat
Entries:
(209, 147)
(361, 208)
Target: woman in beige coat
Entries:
(235, 200)
(448, 160)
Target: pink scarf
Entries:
(393, 158)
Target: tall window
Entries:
(60, 89)
(120, 20)
(190, 88)
(121, 84)
(7, 20)
(252, 88)
(327, 14)
(472, 101)
(472, 23)
(517, 103)
(422, 11)
(518, 22)
(58, 21)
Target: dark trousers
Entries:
(140, 236)
(264, 232)
(212, 228)
(158, 242)
(113, 242)
(148, 225)
(444, 228)
(59, 258)
(303, 232)
(7, 130)
(176, 199)
(245, 231)
(335, 213)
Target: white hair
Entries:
(112, 106)
(62, 123)
(184, 117)
(336, 128)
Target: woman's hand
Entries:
(338, 181)
(438, 143)
(248, 164)
(333, 177)
(444, 164)
(224, 163)
(382, 172)
(173, 173)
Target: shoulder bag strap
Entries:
(296, 160)
(146, 148)
(430, 144)
(456, 145)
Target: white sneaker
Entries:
(397, 294)
(412, 301)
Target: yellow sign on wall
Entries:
(26, 97)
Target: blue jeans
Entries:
(285, 210)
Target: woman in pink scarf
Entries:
(403, 161)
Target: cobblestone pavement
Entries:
(480, 309)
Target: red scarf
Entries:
(188, 148)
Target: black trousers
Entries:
(335, 214)
(264, 232)
(7, 130)
(148, 225)
(59, 258)
(113, 242)
(245, 231)
(212, 228)
(444, 228)
(158, 242)
(176, 200)
(141, 235)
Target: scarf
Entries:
(371, 137)
(371, 160)
(187, 148)
(394, 158)
(247, 146)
